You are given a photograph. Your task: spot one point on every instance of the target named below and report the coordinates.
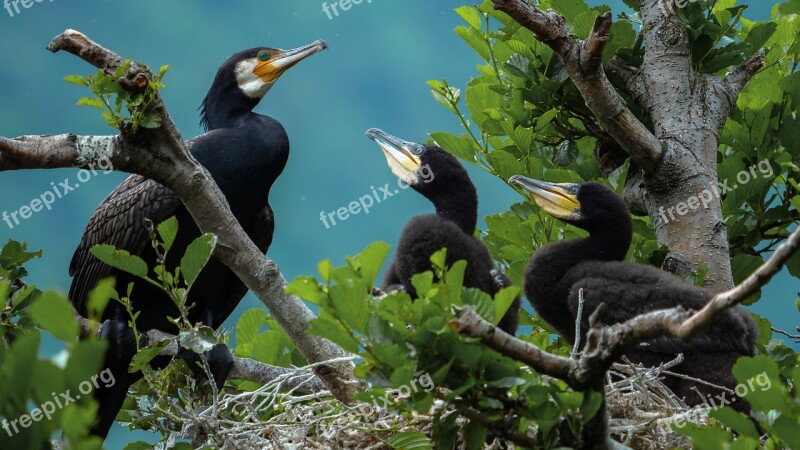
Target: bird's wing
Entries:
(118, 221)
(629, 290)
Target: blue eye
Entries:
(418, 149)
(263, 56)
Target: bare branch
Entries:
(627, 78)
(738, 78)
(243, 368)
(472, 324)
(795, 337)
(162, 155)
(583, 62)
(746, 288)
(607, 344)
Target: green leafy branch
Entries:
(113, 92)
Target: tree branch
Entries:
(162, 155)
(583, 62)
(746, 288)
(607, 344)
(243, 368)
(738, 78)
(471, 323)
(627, 78)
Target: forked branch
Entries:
(162, 155)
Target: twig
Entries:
(795, 337)
(746, 288)
(583, 63)
(162, 155)
(576, 348)
(243, 368)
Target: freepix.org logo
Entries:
(667, 6)
(13, 6)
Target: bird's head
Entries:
(256, 70)
(590, 206)
(426, 168)
(246, 77)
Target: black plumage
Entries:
(558, 271)
(439, 177)
(245, 153)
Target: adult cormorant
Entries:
(439, 177)
(245, 153)
(559, 270)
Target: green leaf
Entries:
(462, 147)
(145, 355)
(503, 300)
(307, 288)
(99, 298)
(744, 265)
(167, 230)
(505, 164)
(93, 102)
(475, 436)
(471, 16)
(17, 371)
(325, 269)
(349, 301)
(371, 260)
(85, 360)
(786, 428)
(54, 313)
(76, 80)
(570, 9)
(196, 257)
(735, 420)
(334, 332)
(139, 445)
(410, 440)
(120, 259)
(759, 380)
(150, 120)
(198, 340)
(248, 325)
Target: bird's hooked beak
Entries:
(279, 61)
(402, 156)
(560, 200)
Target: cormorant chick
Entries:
(245, 153)
(558, 271)
(439, 177)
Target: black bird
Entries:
(558, 271)
(245, 153)
(439, 177)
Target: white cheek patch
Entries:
(406, 176)
(248, 82)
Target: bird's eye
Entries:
(263, 55)
(418, 149)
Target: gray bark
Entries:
(162, 155)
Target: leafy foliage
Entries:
(42, 395)
(111, 97)
(405, 343)
(525, 116)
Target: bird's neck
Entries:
(551, 263)
(458, 205)
(226, 107)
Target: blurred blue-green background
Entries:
(381, 54)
